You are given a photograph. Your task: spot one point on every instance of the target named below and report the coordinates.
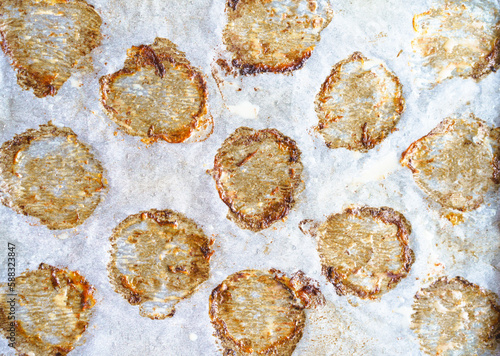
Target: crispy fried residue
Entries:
(158, 95)
(262, 313)
(158, 258)
(364, 251)
(457, 163)
(50, 175)
(455, 317)
(458, 38)
(273, 36)
(258, 176)
(52, 311)
(359, 104)
(45, 39)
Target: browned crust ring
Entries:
(26, 342)
(162, 217)
(304, 290)
(367, 141)
(44, 85)
(145, 56)
(245, 134)
(8, 152)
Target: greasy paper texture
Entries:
(162, 175)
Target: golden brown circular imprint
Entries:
(359, 104)
(258, 176)
(457, 163)
(45, 312)
(158, 95)
(459, 39)
(456, 317)
(364, 251)
(50, 175)
(44, 40)
(158, 258)
(262, 312)
(271, 35)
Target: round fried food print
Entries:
(50, 175)
(273, 35)
(44, 40)
(258, 176)
(456, 317)
(457, 163)
(158, 95)
(359, 104)
(363, 251)
(262, 312)
(158, 258)
(52, 309)
(459, 38)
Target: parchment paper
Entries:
(173, 176)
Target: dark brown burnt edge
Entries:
(254, 135)
(494, 335)
(388, 216)
(305, 289)
(162, 218)
(309, 286)
(24, 339)
(145, 55)
(491, 62)
(42, 86)
(238, 67)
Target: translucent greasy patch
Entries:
(364, 251)
(157, 259)
(457, 162)
(261, 313)
(258, 176)
(359, 104)
(52, 310)
(44, 40)
(455, 317)
(158, 95)
(458, 38)
(271, 35)
(50, 175)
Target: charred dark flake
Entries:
(51, 319)
(262, 313)
(273, 36)
(158, 258)
(158, 95)
(258, 176)
(456, 164)
(456, 317)
(44, 40)
(364, 251)
(50, 175)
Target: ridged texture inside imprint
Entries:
(457, 163)
(459, 38)
(50, 175)
(271, 35)
(158, 257)
(365, 251)
(52, 310)
(453, 317)
(45, 39)
(359, 104)
(258, 176)
(254, 313)
(158, 95)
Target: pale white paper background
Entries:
(168, 176)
